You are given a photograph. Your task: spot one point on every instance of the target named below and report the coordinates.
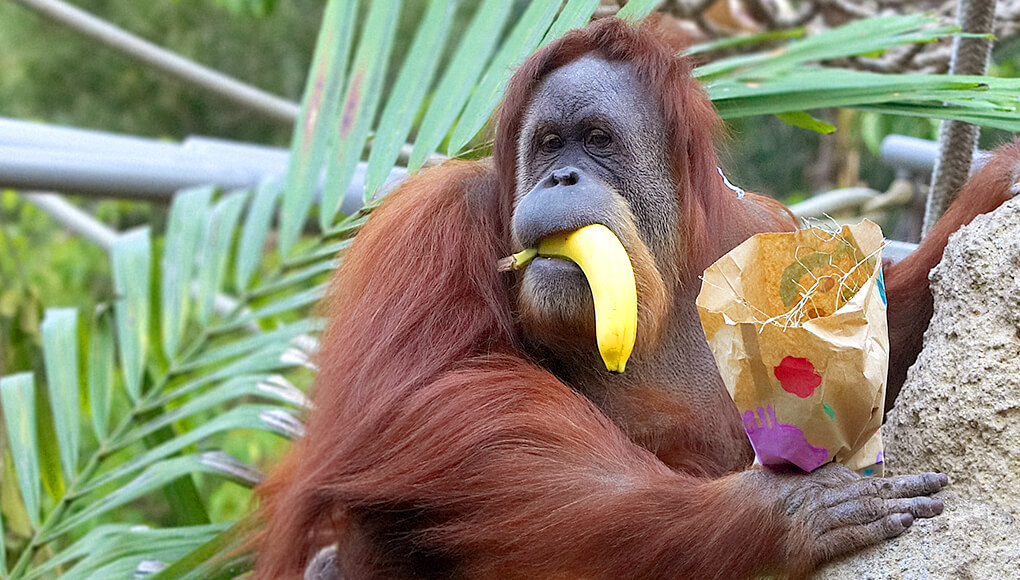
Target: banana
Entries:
(604, 261)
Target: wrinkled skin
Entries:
(839, 512)
(591, 152)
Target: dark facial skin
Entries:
(592, 143)
(591, 151)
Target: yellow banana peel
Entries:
(604, 261)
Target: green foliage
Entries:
(766, 155)
(206, 328)
(251, 7)
(778, 165)
(43, 75)
(41, 264)
(187, 383)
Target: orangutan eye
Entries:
(551, 143)
(597, 139)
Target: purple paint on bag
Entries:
(778, 444)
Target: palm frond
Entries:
(191, 376)
(792, 78)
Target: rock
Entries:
(959, 413)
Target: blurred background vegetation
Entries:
(51, 74)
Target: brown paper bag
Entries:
(797, 324)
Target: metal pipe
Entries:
(918, 155)
(33, 135)
(74, 219)
(257, 100)
(35, 156)
(117, 174)
(911, 153)
(833, 201)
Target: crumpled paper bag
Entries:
(797, 324)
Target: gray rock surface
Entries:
(959, 413)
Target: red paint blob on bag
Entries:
(797, 375)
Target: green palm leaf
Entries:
(523, 40)
(461, 74)
(791, 80)
(17, 393)
(408, 92)
(217, 374)
(132, 258)
(187, 222)
(364, 89)
(60, 347)
(319, 112)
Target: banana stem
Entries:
(517, 261)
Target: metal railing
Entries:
(35, 156)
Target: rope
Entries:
(958, 140)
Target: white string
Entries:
(740, 192)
